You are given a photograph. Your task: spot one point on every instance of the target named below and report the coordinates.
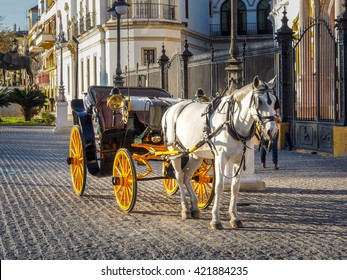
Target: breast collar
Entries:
(231, 127)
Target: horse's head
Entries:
(262, 107)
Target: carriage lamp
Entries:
(118, 9)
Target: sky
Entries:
(15, 12)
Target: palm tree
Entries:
(4, 98)
(31, 100)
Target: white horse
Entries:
(222, 135)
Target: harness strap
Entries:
(231, 127)
(176, 140)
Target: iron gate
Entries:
(315, 87)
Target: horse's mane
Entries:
(239, 94)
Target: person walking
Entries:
(274, 149)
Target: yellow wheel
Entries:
(77, 160)
(170, 185)
(124, 180)
(203, 183)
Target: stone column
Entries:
(61, 122)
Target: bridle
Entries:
(262, 120)
(255, 102)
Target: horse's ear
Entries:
(255, 82)
(271, 84)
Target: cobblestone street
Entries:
(301, 215)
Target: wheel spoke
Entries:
(118, 170)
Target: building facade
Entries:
(91, 32)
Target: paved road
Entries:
(301, 215)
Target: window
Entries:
(148, 56)
(264, 26)
(226, 18)
(82, 76)
(68, 80)
(241, 18)
(88, 72)
(95, 71)
(210, 8)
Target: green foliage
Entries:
(6, 37)
(47, 117)
(18, 121)
(4, 97)
(31, 100)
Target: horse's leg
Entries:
(218, 167)
(180, 178)
(235, 221)
(192, 165)
(4, 76)
(30, 74)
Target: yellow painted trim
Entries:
(340, 141)
(283, 129)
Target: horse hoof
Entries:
(236, 224)
(195, 214)
(216, 226)
(186, 215)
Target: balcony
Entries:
(152, 11)
(90, 20)
(45, 40)
(35, 49)
(81, 24)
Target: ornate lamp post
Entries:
(234, 68)
(249, 180)
(61, 123)
(62, 43)
(118, 9)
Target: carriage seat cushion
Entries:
(149, 104)
(150, 110)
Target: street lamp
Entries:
(118, 9)
(62, 43)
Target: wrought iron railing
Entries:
(90, 20)
(152, 11)
(216, 30)
(81, 23)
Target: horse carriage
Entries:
(116, 129)
(194, 140)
